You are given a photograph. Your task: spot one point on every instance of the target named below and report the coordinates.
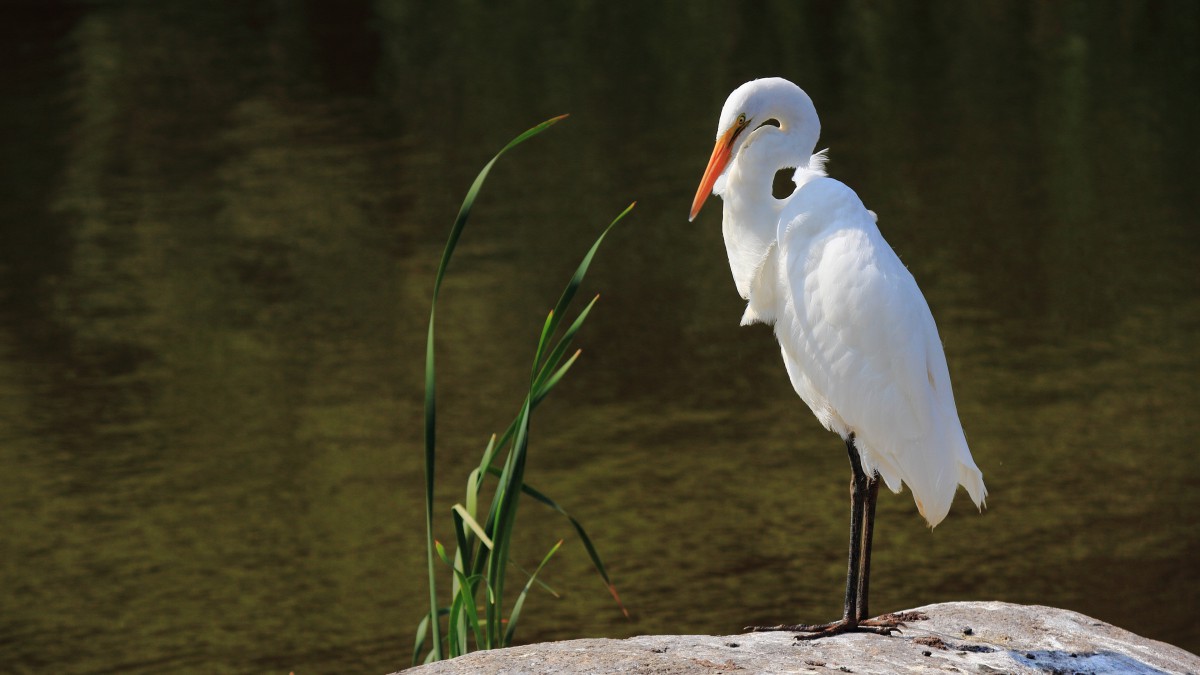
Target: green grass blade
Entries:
(496, 532)
(430, 444)
(461, 512)
(516, 612)
(422, 633)
(441, 551)
(471, 610)
(544, 586)
(545, 373)
(507, 498)
(464, 557)
(468, 203)
(489, 455)
(541, 346)
(455, 629)
(539, 390)
(498, 557)
(551, 363)
(597, 563)
(553, 380)
(475, 480)
(463, 612)
(419, 642)
(561, 347)
(460, 222)
(577, 279)
(459, 624)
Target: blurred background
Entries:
(219, 225)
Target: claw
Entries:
(885, 624)
(841, 627)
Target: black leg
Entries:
(864, 490)
(858, 502)
(864, 571)
(849, 619)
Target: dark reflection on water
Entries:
(218, 231)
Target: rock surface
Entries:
(963, 637)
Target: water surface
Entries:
(218, 230)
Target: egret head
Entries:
(771, 101)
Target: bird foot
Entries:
(839, 627)
(885, 624)
(792, 627)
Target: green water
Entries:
(219, 225)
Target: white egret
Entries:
(858, 339)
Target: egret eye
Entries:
(742, 120)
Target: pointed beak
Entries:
(716, 164)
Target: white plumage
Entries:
(858, 339)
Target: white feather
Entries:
(857, 336)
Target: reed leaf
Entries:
(597, 563)
(516, 612)
(505, 508)
(464, 556)
(577, 279)
(421, 634)
(544, 390)
(547, 328)
(460, 222)
(462, 513)
(463, 611)
(419, 641)
(559, 350)
(485, 568)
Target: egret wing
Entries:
(865, 345)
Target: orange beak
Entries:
(716, 164)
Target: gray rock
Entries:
(962, 637)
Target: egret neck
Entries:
(751, 213)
